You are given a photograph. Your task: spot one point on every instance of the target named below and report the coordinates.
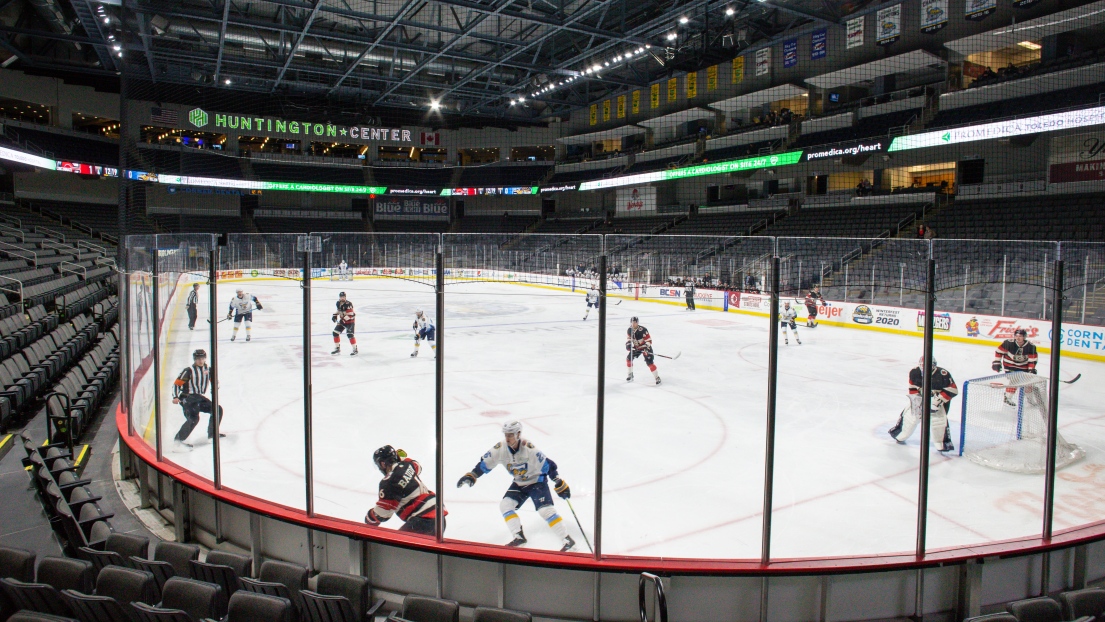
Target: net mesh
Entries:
(1004, 424)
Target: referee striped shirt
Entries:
(193, 298)
(192, 381)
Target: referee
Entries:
(193, 305)
(188, 391)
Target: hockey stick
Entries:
(218, 321)
(580, 525)
(1072, 380)
(671, 358)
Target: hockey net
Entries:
(1004, 424)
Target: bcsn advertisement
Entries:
(636, 200)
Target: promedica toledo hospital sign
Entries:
(287, 128)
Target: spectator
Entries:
(921, 231)
(930, 233)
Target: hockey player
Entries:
(423, 329)
(343, 272)
(532, 471)
(241, 308)
(188, 391)
(638, 342)
(345, 319)
(402, 492)
(592, 301)
(688, 293)
(943, 389)
(813, 298)
(788, 319)
(1016, 354)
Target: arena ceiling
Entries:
(510, 59)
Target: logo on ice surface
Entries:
(198, 117)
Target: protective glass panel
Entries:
(697, 358)
(368, 390)
(991, 486)
(520, 346)
(843, 486)
(140, 327)
(183, 262)
(260, 367)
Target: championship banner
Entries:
(621, 106)
(819, 44)
(594, 114)
(934, 15)
(853, 33)
(605, 111)
(763, 61)
(790, 53)
(711, 78)
(673, 90)
(692, 85)
(889, 24)
(654, 96)
(636, 102)
(977, 10)
(738, 70)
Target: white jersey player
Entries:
(423, 330)
(788, 318)
(343, 272)
(241, 308)
(532, 471)
(592, 301)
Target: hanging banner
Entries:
(1024, 4)
(790, 53)
(977, 10)
(673, 90)
(853, 33)
(889, 24)
(621, 106)
(692, 85)
(606, 111)
(738, 70)
(763, 61)
(1077, 157)
(654, 96)
(636, 102)
(711, 78)
(636, 200)
(819, 44)
(594, 114)
(934, 15)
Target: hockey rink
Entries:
(683, 461)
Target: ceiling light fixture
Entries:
(683, 20)
(729, 11)
(1031, 45)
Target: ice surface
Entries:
(683, 462)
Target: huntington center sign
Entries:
(200, 119)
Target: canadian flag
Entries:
(431, 138)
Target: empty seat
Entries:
(491, 614)
(183, 600)
(222, 569)
(1080, 603)
(17, 564)
(278, 579)
(426, 609)
(993, 617)
(250, 607)
(1042, 609)
(333, 590)
(31, 616)
(171, 559)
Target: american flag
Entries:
(164, 116)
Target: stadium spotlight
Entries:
(683, 20)
(597, 67)
(116, 47)
(672, 36)
(227, 82)
(435, 105)
(521, 100)
(729, 11)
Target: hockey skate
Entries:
(354, 352)
(1009, 399)
(657, 379)
(180, 445)
(248, 337)
(629, 378)
(568, 544)
(414, 354)
(798, 340)
(946, 446)
(519, 539)
(336, 350)
(786, 342)
(233, 337)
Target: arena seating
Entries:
(490, 176)
(411, 226)
(575, 176)
(865, 221)
(305, 225)
(494, 224)
(1018, 106)
(724, 224)
(412, 177)
(740, 151)
(868, 127)
(192, 223)
(65, 146)
(1069, 217)
(309, 174)
(209, 164)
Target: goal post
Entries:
(1003, 424)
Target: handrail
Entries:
(92, 247)
(16, 281)
(106, 261)
(11, 220)
(75, 269)
(16, 250)
(661, 600)
(58, 234)
(61, 246)
(5, 229)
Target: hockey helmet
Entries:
(341, 294)
(239, 291)
(786, 305)
(921, 362)
(633, 320)
(1022, 332)
(200, 353)
(384, 458)
(418, 312)
(512, 427)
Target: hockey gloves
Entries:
(996, 366)
(259, 307)
(229, 315)
(371, 518)
(334, 318)
(469, 479)
(562, 489)
(628, 346)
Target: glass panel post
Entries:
(439, 390)
(600, 406)
(926, 413)
(772, 385)
(1053, 402)
(212, 326)
(155, 315)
